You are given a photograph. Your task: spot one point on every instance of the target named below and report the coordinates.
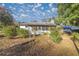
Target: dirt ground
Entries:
(46, 46)
(40, 46)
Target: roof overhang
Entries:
(37, 24)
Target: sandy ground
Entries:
(41, 46)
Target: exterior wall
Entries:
(22, 27)
(37, 29)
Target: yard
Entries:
(41, 45)
(14, 37)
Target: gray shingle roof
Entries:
(38, 24)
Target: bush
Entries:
(22, 32)
(1, 26)
(55, 35)
(75, 36)
(9, 31)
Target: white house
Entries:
(37, 27)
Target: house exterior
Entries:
(37, 27)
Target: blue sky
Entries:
(31, 11)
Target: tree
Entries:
(9, 31)
(68, 12)
(5, 17)
(69, 15)
(75, 36)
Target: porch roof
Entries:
(37, 24)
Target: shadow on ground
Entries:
(17, 49)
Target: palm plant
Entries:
(74, 37)
(55, 35)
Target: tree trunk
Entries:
(75, 46)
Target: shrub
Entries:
(22, 32)
(75, 36)
(55, 36)
(9, 31)
(1, 26)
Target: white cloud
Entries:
(15, 16)
(54, 9)
(20, 3)
(14, 8)
(10, 6)
(38, 5)
(50, 4)
(21, 11)
(30, 5)
(34, 9)
(43, 13)
(42, 8)
(3, 4)
(48, 11)
(23, 15)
